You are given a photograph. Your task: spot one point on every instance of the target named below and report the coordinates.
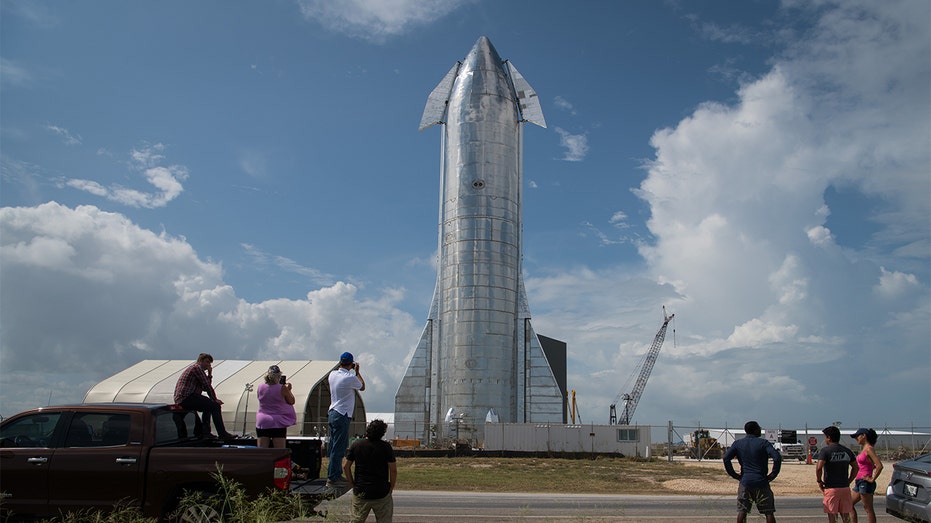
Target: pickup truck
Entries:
(69, 458)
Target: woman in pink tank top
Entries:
(870, 468)
(276, 410)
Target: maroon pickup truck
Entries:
(94, 456)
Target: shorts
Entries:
(761, 496)
(837, 501)
(864, 487)
(272, 433)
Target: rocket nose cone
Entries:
(483, 55)
(483, 46)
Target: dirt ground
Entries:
(796, 478)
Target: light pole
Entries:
(245, 413)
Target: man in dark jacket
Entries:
(753, 453)
(375, 477)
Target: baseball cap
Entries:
(858, 432)
(345, 358)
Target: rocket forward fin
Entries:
(527, 98)
(435, 110)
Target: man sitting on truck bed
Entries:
(194, 381)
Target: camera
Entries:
(282, 379)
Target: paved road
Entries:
(422, 506)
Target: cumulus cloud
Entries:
(88, 293)
(741, 187)
(576, 145)
(166, 179)
(377, 20)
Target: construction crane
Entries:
(631, 399)
(574, 410)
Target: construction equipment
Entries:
(704, 446)
(646, 367)
(573, 408)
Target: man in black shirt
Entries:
(375, 476)
(834, 460)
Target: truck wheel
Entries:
(197, 506)
(200, 513)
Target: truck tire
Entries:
(200, 513)
(197, 506)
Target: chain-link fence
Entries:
(704, 442)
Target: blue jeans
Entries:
(339, 440)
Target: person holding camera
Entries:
(276, 410)
(344, 382)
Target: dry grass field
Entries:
(601, 475)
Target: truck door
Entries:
(99, 463)
(25, 457)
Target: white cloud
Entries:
(13, 74)
(262, 259)
(565, 105)
(32, 13)
(377, 20)
(576, 145)
(894, 284)
(88, 293)
(820, 235)
(166, 179)
(765, 299)
(67, 137)
(756, 333)
(619, 220)
(254, 163)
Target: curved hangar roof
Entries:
(153, 381)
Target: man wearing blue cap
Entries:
(343, 386)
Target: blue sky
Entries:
(247, 179)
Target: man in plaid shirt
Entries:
(194, 381)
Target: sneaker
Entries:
(227, 437)
(340, 482)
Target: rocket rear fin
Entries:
(545, 402)
(527, 98)
(412, 401)
(435, 110)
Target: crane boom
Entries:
(633, 398)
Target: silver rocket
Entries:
(478, 358)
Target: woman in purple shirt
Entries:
(276, 410)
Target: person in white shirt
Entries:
(344, 382)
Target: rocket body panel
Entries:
(478, 351)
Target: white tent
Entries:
(235, 382)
